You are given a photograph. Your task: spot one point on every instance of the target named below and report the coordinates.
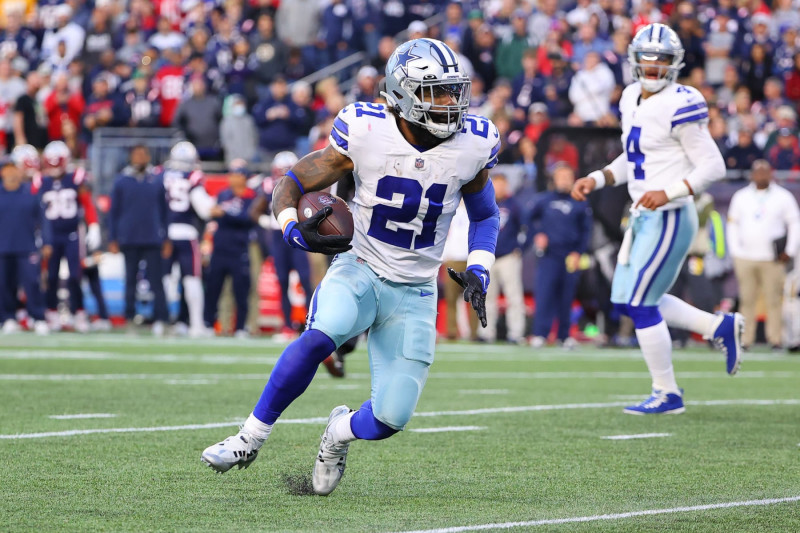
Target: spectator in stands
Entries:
(64, 108)
(274, 116)
(760, 34)
(786, 50)
(143, 102)
(509, 52)
(366, 27)
(617, 58)
(98, 38)
(538, 121)
(562, 228)
(297, 23)
(587, 42)
(742, 155)
(18, 40)
(718, 46)
(417, 30)
(691, 36)
(785, 153)
(528, 86)
(103, 109)
(270, 53)
(506, 272)
(138, 228)
(773, 97)
(454, 25)
(11, 88)
(133, 46)
(336, 31)
(365, 88)
(166, 37)
(198, 116)
(544, 18)
(237, 131)
(231, 243)
(28, 127)
(67, 31)
(561, 151)
(763, 234)
(755, 71)
(785, 118)
(792, 80)
(168, 81)
(303, 116)
(482, 54)
(590, 92)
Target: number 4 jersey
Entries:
(405, 198)
(650, 138)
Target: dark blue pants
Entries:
(92, 275)
(26, 269)
(151, 255)
(222, 265)
(287, 259)
(555, 291)
(65, 246)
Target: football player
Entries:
(63, 191)
(668, 156)
(413, 159)
(187, 200)
(26, 157)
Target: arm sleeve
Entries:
(791, 216)
(619, 168)
(89, 211)
(484, 225)
(702, 151)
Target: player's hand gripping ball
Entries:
(324, 225)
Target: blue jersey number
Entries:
(369, 109)
(635, 154)
(478, 125)
(411, 190)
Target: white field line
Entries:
(424, 414)
(616, 516)
(489, 392)
(447, 429)
(638, 436)
(80, 416)
(434, 375)
(211, 359)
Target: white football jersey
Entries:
(405, 198)
(656, 158)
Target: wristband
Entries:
(284, 217)
(599, 179)
(677, 190)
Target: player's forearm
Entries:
(614, 173)
(702, 151)
(314, 172)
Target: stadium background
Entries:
(335, 49)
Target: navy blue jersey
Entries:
(233, 228)
(59, 197)
(20, 216)
(179, 186)
(138, 215)
(510, 227)
(566, 222)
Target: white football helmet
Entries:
(183, 156)
(421, 71)
(655, 42)
(26, 157)
(56, 156)
(282, 163)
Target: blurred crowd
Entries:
(230, 73)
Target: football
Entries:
(340, 222)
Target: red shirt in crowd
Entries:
(57, 113)
(169, 82)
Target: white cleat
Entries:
(81, 322)
(180, 329)
(53, 320)
(241, 334)
(538, 342)
(158, 329)
(201, 333)
(101, 324)
(332, 458)
(237, 450)
(10, 326)
(40, 327)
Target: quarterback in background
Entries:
(668, 156)
(413, 160)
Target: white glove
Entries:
(93, 237)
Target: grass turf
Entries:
(536, 464)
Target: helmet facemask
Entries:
(642, 63)
(441, 120)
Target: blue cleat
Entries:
(727, 337)
(659, 403)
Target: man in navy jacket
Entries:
(562, 227)
(138, 227)
(20, 261)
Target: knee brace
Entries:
(644, 316)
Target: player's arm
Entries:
(201, 201)
(615, 173)
(484, 225)
(93, 236)
(314, 172)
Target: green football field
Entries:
(105, 433)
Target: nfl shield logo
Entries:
(419, 163)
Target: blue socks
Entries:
(292, 374)
(365, 426)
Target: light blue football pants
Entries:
(401, 319)
(661, 240)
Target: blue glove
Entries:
(475, 282)
(305, 235)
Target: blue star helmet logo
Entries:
(404, 58)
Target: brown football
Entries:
(340, 222)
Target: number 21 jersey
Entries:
(405, 198)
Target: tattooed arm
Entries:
(315, 172)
